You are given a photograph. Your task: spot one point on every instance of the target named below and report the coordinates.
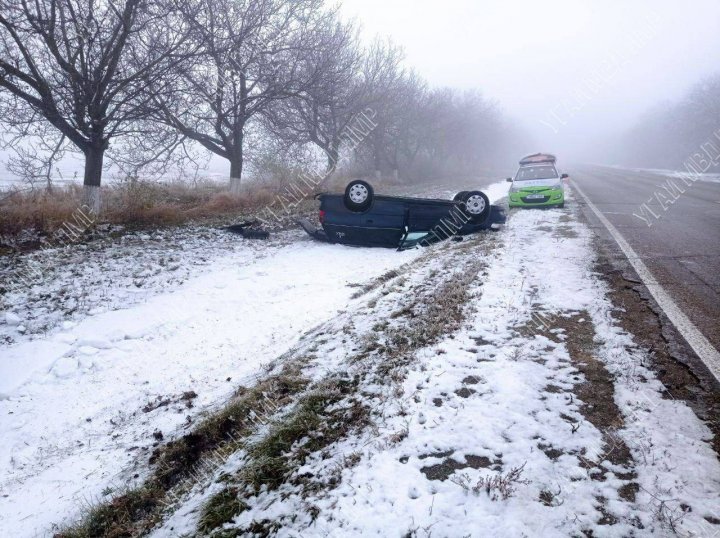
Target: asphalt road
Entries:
(681, 247)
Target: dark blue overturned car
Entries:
(362, 218)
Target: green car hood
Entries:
(536, 184)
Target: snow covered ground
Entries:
(488, 434)
(76, 417)
(114, 273)
(522, 414)
(124, 340)
(128, 370)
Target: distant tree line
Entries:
(146, 83)
(672, 133)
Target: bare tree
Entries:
(383, 72)
(84, 67)
(407, 128)
(436, 132)
(34, 153)
(252, 53)
(336, 95)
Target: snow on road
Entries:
(79, 420)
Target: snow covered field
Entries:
(106, 349)
(78, 410)
(101, 376)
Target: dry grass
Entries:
(427, 319)
(130, 203)
(498, 486)
(27, 216)
(37, 211)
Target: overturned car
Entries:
(360, 217)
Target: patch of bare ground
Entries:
(443, 470)
(426, 318)
(564, 231)
(328, 412)
(375, 284)
(636, 316)
(597, 390)
(597, 405)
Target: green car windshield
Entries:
(536, 172)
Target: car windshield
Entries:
(415, 238)
(545, 171)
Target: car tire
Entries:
(476, 206)
(560, 206)
(459, 196)
(358, 195)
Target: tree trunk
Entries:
(236, 167)
(377, 157)
(93, 175)
(333, 154)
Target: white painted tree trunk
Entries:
(91, 198)
(235, 185)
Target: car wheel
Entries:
(459, 196)
(358, 195)
(561, 205)
(477, 205)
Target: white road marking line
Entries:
(702, 347)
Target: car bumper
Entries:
(549, 198)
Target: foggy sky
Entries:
(573, 72)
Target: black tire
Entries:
(358, 195)
(459, 196)
(476, 205)
(560, 206)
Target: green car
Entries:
(537, 183)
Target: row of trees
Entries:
(148, 82)
(671, 133)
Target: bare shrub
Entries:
(497, 486)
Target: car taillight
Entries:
(321, 216)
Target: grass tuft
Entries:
(222, 508)
(318, 420)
